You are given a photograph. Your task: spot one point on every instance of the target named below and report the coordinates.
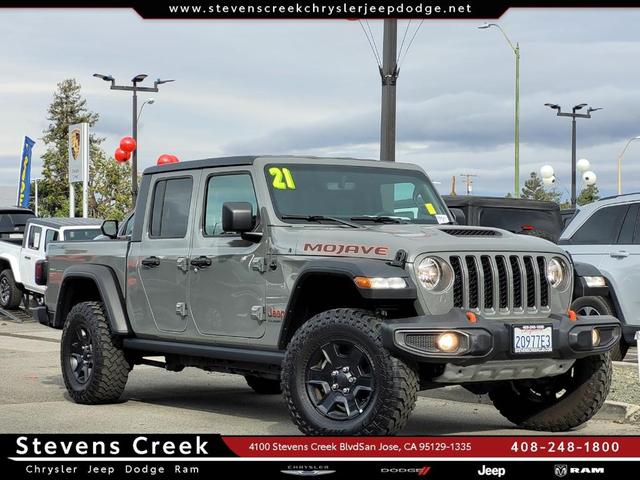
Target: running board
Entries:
(267, 357)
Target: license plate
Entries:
(532, 339)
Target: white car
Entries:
(18, 260)
(606, 234)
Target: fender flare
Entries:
(110, 294)
(580, 287)
(14, 265)
(349, 268)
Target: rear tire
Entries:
(263, 386)
(10, 293)
(94, 366)
(540, 404)
(600, 306)
(338, 379)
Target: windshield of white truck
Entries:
(342, 193)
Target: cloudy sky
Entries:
(312, 87)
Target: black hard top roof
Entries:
(66, 222)
(5, 210)
(233, 162)
(504, 202)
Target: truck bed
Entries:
(62, 255)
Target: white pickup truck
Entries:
(19, 257)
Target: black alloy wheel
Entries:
(81, 354)
(339, 380)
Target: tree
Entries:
(588, 194)
(107, 181)
(534, 190)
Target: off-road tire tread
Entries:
(571, 411)
(16, 293)
(110, 366)
(402, 379)
(263, 386)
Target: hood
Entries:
(383, 241)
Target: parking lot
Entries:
(34, 399)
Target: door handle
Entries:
(201, 262)
(619, 254)
(151, 262)
(27, 258)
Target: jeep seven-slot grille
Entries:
(494, 284)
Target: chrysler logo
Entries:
(307, 473)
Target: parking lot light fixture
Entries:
(516, 148)
(620, 156)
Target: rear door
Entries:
(226, 297)
(157, 289)
(30, 254)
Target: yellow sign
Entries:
(430, 208)
(282, 178)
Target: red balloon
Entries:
(121, 156)
(166, 159)
(128, 144)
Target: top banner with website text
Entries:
(318, 9)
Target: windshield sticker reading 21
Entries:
(282, 178)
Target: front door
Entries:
(157, 292)
(226, 288)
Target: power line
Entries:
(372, 42)
(410, 43)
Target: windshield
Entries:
(522, 220)
(81, 234)
(359, 194)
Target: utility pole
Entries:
(389, 75)
(468, 182)
(134, 121)
(573, 115)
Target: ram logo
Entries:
(560, 470)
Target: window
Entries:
(50, 236)
(81, 234)
(519, 220)
(629, 226)
(170, 208)
(34, 237)
(128, 226)
(602, 227)
(222, 189)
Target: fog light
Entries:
(448, 342)
(595, 337)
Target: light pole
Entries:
(516, 51)
(389, 75)
(573, 115)
(620, 162)
(134, 122)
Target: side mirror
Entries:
(109, 228)
(459, 216)
(237, 217)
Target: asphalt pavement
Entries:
(33, 400)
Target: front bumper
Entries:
(492, 339)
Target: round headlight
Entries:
(429, 273)
(555, 272)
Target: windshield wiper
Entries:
(378, 219)
(320, 218)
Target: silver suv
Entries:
(342, 283)
(606, 234)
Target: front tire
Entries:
(338, 379)
(560, 403)
(94, 366)
(10, 293)
(594, 305)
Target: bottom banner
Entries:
(195, 456)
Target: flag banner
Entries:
(215, 456)
(24, 181)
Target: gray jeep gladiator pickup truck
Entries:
(342, 283)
